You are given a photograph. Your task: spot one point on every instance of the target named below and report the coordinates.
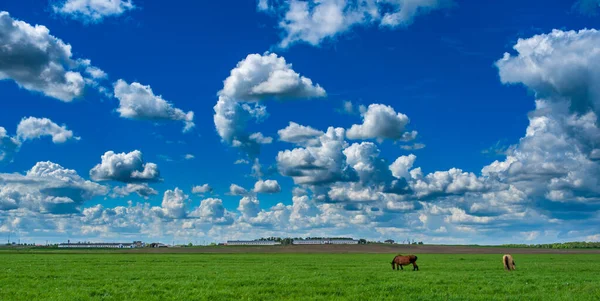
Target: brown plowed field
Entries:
(370, 248)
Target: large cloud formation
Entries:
(255, 79)
(93, 11)
(47, 188)
(38, 61)
(314, 21)
(320, 164)
(381, 122)
(174, 205)
(125, 167)
(137, 101)
(557, 160)
(546, 189)
(212, 211)
(34, 128)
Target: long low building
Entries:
(103, 245)
(252, 243)
(325, 241)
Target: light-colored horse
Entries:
(508, 262)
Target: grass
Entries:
(111, 276)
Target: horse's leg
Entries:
(401, 267)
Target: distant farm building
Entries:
(252, 243)
(389, 241)
(325, 241)
(102, 245)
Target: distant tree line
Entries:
(564, 245)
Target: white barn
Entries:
(252, 243)
(325, 241)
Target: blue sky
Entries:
(436, 135)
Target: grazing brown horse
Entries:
(400, 260)
(509, 262)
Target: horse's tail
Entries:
(416, 257)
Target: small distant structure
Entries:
(101, 245)
(325, 241)
(389, 241)
(252, 243)
(158, 245)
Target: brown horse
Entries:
(509, 262)
(400, 260)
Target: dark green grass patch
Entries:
(294, 277)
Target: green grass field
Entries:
(96, 276)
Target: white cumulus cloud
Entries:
(202, 189)
(47, 188)
(174, 205)
(211, 210)
(93, 11)
(317, 164)
(268, 186)
(314, 21)
(39, 61)
(137, 101)
(125, 167)
(235, 189)
(33, 128)
(381, 122)
(249, 207)
(257, 78)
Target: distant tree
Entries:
(565, 245)
(190, 245)
(362, 241)
(420, 242)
